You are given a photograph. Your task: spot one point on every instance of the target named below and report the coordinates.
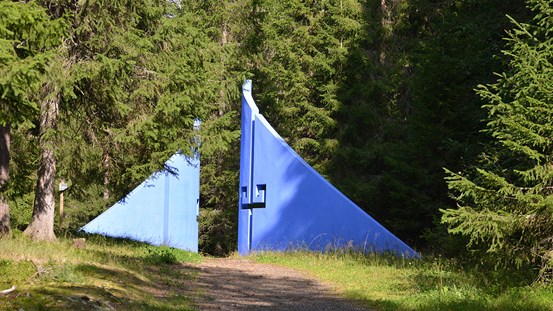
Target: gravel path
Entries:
(239, 284)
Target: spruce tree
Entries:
(505, 206)
(28, 37)
(128, 85)
(299, 53)
(408, 107)
(224, 22)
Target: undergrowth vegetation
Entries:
(390, 283)
(99, 273)
(117, 274)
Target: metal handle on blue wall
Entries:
(258, 201)
(260, 194)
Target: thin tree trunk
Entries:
(42, 221)
(386, 22)
(106, 164)
(224, 41)
(4, 177)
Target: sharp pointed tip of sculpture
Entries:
(247, 86)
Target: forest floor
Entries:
(117, 274)
(242, 284)
(114, 274)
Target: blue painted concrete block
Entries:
(163, 210)
(285, 204)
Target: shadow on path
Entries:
(239, 284)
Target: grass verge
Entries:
(102, 274)
(389, 283)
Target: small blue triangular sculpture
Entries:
(285, 204)
(163, 210)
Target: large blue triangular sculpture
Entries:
(163, 210)
(285, 204)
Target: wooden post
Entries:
(61, 208)
(62, 187)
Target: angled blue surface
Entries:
(163, 210)
(285, 204)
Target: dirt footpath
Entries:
(239, 284)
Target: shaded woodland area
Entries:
(396, 102)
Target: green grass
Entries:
(389, 283)
(105, 274)
(114, 274)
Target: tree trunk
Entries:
(4, 177)
(42, 221)
(106, 164)
(386, 23)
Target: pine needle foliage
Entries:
(141, 80)
(505, 206)
(300, 51)
(27, 40)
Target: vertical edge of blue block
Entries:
(249, 110)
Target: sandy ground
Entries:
(239, 284)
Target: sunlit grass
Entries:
(117, 274)
(103, 274)
(390, 283)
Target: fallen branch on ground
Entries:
(7, 291)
